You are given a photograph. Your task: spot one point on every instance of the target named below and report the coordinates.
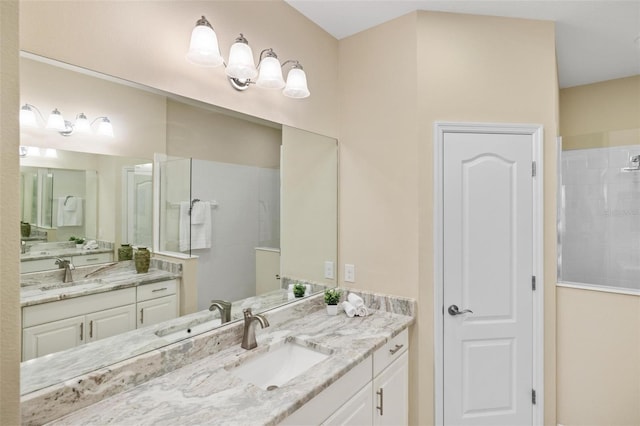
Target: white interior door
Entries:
(487, 269)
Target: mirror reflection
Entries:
(235, 209)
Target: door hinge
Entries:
(533, 168)
(533, 282)
(533, 396)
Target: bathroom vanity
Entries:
(357, 374)
(58, 316)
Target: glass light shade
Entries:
(82, 124)
(270, 74)
(56, 121)
(241, 64)
(105, 128)
(28, 117)
(51, 153)
(296, 84)
(33, 151)
(203, 49)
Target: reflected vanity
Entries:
(273, 190)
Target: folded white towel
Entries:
(362, 311)
(70, 203)
(69, 217)
(199, 212)
(349, 309)
(194, 236)
(90, 245)
(355, 300)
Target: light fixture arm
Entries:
(295, 63)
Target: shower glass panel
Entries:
(174, 195)
(599, 217)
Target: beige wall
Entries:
(138, 116)
(194, 131)
(598, 358)
(601, 114)
(9, 216)
(309, 204)
(453, 68)
(599, 333)
(146, 42)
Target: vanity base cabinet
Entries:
(391, 395)
(357, 411)
(376, 392)
(52, 337)
(48, 327)
(157, 302)
(110, 322)
(157, 310)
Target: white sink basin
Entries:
(283, 362)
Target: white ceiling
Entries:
(595, 40)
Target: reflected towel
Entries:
(70, 203)
(349, 309)
(199, 212)
(194, 236)
(69, 217)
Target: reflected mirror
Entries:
(270, 193)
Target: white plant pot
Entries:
(332, 309)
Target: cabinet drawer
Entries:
(155, 290)
(390, 351)
(90, 259)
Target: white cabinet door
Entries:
(52, 337)
(110, 322)
(157, 310)
(355, 412)
(391, 393)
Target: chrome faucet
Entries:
(249, 336)
(224, 307)
(68, 267)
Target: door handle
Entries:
(453, 310)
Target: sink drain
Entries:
(272, 387)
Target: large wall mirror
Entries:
(271, 189)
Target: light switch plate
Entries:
(349, 273)
(328, 270)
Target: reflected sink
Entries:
(56, 286)
(283, 362)
(187, 330)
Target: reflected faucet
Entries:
(224, 307)
(249, 336)
(68, 267)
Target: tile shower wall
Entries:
(599, 217)
(247, 216)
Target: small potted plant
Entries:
(79, 242)
(299, 289)
(332, 298)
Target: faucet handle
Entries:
(247, 312)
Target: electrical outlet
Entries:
(328, 270)
(349, 273)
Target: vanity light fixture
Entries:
(241, 69)
(56, 121)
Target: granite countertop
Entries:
(205, 392)
(61, 252)
(37, 292)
